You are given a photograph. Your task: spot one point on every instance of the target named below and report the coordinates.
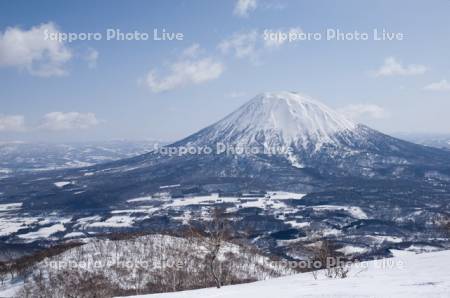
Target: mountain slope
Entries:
(278, 119)
(403, 189)
(290, 142)
(308, 134)
(406, 275)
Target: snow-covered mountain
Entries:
(307, 134)
(279, 119)
(290, 142)
(283, 141)
(357, 185)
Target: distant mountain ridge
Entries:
(20, 157)
(441, 141)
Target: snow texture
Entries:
(406, 275)
(281, 119)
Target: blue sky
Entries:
(101, 90)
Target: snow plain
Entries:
(405, 275)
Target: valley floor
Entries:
(406, 275)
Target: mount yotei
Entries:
(320, 141)
(289, 167)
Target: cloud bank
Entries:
(363, 111)
(188, 69)
(392, 67)
(59, 121)
(12, 123)
(242, 8)
(442, 85)
(29, 50)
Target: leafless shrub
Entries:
(330, 261)
(3, 272)
(214, 235)
(445, 224)
(25, 265)
(67, 284)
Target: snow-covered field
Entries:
(138, 212)
(406, 275)
(140, 208)
(10, 207)
(44, 232)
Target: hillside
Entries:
(125, 265)
(405, 275)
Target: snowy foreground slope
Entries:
(406, 275)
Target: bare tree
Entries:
(3, 272)
(446, 225)
(330, 261)
(214, 235)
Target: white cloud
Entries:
(241, 45)
(192, 52)
(188, 69)
(442, 85)
(253, 43)
(273, 5)
(363, 111)
(277, 42)
(91, 57)
(57, 121)
(392, 67)
(12, 123)
(243, 7)
(31, 51)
